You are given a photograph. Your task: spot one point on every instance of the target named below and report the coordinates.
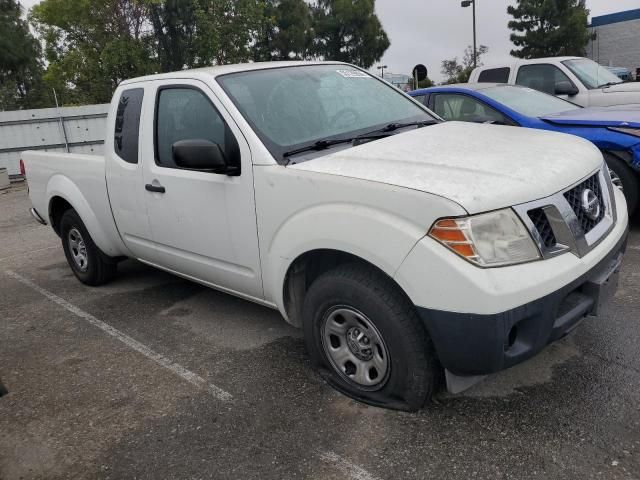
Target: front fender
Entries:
(101, 229)
(379, 237)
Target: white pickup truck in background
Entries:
(399, 244)
(577, 79)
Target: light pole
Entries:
(464, 4)
(382, 67)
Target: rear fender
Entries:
(63, 187)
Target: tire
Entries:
(626, 178)
(352, 307)
(88, 263)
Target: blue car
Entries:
(614, 130)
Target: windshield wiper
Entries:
(608, 84)
(319, 145)
(396, 126)
(374, 135)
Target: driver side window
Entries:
(464, 108)
(184, 113)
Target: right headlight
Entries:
(491, 239)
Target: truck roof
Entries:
(218, 70)
(515, 61)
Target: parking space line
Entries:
(31, 252)
(349, 469)
(179, 370)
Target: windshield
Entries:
(293, 107)
(590, 73)
(527, 101)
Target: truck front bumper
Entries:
(471, 344)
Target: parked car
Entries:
(580, 80)
(614, 130)
(399, 243)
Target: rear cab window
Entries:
(127, 127)
(495, 75)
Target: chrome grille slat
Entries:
(574, 197)
(559, 223)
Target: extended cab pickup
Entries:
(399, 243)
(577, 79)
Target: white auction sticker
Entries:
(352, 74)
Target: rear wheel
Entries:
(624, 178)
(88, 263)
(366, 339)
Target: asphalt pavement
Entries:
(154, 377)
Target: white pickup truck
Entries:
(577, 79)
(402, 245)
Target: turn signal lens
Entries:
(489, 240)
(451, 233)
(22, 170)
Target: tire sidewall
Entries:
(70, 219)
(406, 369)
(629, 178)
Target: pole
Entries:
(61, 121)
(475, 50)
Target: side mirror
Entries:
(199, 154)
(566, 88)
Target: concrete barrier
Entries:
(4, 178)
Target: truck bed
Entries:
(78, 179)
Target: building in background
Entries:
(397, 79)
(617, 42)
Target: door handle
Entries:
(154, 188)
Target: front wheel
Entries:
(623, 177)
(366, 339)
(88, 263)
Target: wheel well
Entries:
(309, 266)
(57, 207)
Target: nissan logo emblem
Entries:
(590, 204)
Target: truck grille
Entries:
(574, 197)
(567, 220)
(542, 225)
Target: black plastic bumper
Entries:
(472, 344)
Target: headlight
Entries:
(489, 239)
(629, 131)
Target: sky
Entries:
(429, 31)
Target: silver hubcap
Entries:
(355, 348)
(78, 249)
(615, 179)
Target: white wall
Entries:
(617, 45)
(42, 130)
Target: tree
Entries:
(92, 45)
(349, 31)
(426, 83)
(287, 31)
(20, 65)
(549, 28)
(456, 72)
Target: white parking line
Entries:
(179, 370)
(349, 469)
(18, 255)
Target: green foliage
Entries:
(456, 72)
(549, 28)
(20, 64)
(426, 83)
(349, 31)
(286, 33)
(92, 45)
